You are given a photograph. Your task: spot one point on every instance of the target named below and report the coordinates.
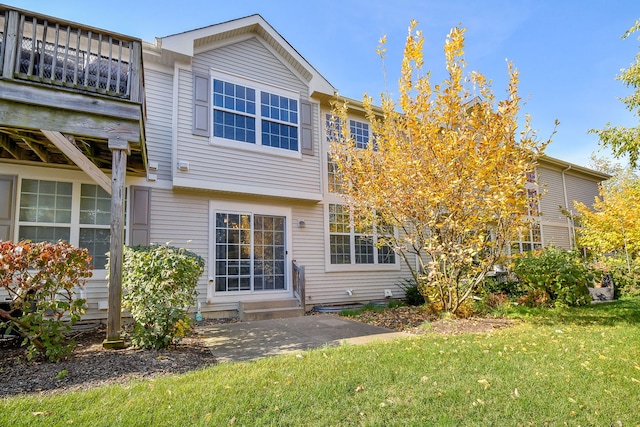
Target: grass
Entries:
(559, 367)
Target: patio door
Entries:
(250, 252)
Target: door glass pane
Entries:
(233, 252)
(269, 253)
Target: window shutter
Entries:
(139, 227)
(306, 128)
(201, 104)
(7, 206)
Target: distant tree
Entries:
(626, 140)
(447, 167)
(619, 173)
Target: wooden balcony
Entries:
(84, 83)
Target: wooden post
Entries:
(119, 150)
(11, 44)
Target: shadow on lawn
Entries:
(625, 311)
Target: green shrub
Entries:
(412, 293)
(553, 276)
(507, 285)
(625, 274)
(41, 280)
(159, 285)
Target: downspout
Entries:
(566, 204)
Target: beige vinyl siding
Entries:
(250, 59)
(552, 194)
(331, 288)
(556, 235)
(177, 219)
(182, 220)
(159, 133)
(581, 190)
(244, 166)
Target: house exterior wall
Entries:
(561, 185)
(580, 190)
(159, 124)
(238, 177)
(223, 166)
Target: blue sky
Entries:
(568, 52)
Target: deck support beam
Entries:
(119, 150)
(76, 156)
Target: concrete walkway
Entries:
(244, 341)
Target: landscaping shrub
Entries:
(412, 293)
(506, 285)
(159, 285)
(553, 276)
(495, 300)
(626, 283)
(41, 280)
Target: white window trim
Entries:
(329, 268)
(74, 233)
(259, 87)
(252, 209)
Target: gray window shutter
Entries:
(201, 104)
(7, 206)
(140, 224)
(306, 128)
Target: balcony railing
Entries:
(299, 283)
(45, 50)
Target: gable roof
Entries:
(186, 43)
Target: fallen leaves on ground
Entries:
(419, 320)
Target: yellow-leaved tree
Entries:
(613, 226)
(447, 168)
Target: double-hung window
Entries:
(531, 235)
(56, 210)
(255, 114)
(359, 133)
(530, 239)
(350, 244)
(361, 137)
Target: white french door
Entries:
(249, 252)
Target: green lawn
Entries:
(561, 367)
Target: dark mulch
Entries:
(91, 365)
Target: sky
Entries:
(568, 52)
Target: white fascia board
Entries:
(184, 42)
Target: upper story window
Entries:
(255, 115)
(361, 137)
(360, 133)
(533, 202)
